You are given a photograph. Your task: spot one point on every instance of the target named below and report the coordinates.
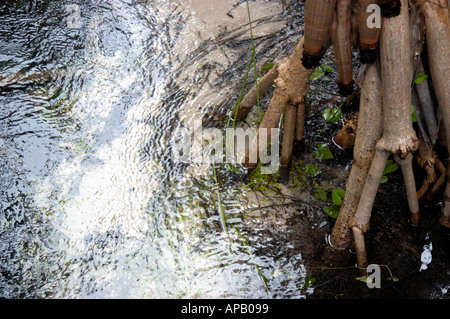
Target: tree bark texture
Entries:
(341, 35)
(368, 132)
(437, 21)
(319, 15)
(292, 85)
(398, 136)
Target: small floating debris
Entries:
(426, 256)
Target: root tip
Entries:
(345, 89)
(390, 8)
(415, 218)
(368, 56)
(311, 60)
(445, 221)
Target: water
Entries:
(92, 203)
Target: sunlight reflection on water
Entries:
(92, 205)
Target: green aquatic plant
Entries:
(337, 196)
(420, 77)
(251, 62)
(320, 72)
(389, 168)
(262, 182)
(323, 152)
(309, 281)
(332, 115)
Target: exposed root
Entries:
(342, 42)
(300, 123)
(290, 119)
(411, 193)
(426, 107)
(292, 85)
(437, 19)
(319, 16)
(311, 60)
(251, 98)
(401, 146)
(360, 247)
(437, 189)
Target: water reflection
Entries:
(92, 204)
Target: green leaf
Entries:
(363, 279)
(420, 77)
(308, 282)
(268, 66)
(332, 115)
(384, 179)
(337, 195)
(390, 167)
(323, 152)
(317, 74)
(327, 68)
(413, 114)
(311, 170)
(332, 211)
(321, 194)
(233, 168)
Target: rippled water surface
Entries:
(92, 203)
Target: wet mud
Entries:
(416, 257)
(391, 242)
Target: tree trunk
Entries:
(367, 134)
(398, 137)
(437, 21)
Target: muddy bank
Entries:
(416, 257)
(391, 241)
